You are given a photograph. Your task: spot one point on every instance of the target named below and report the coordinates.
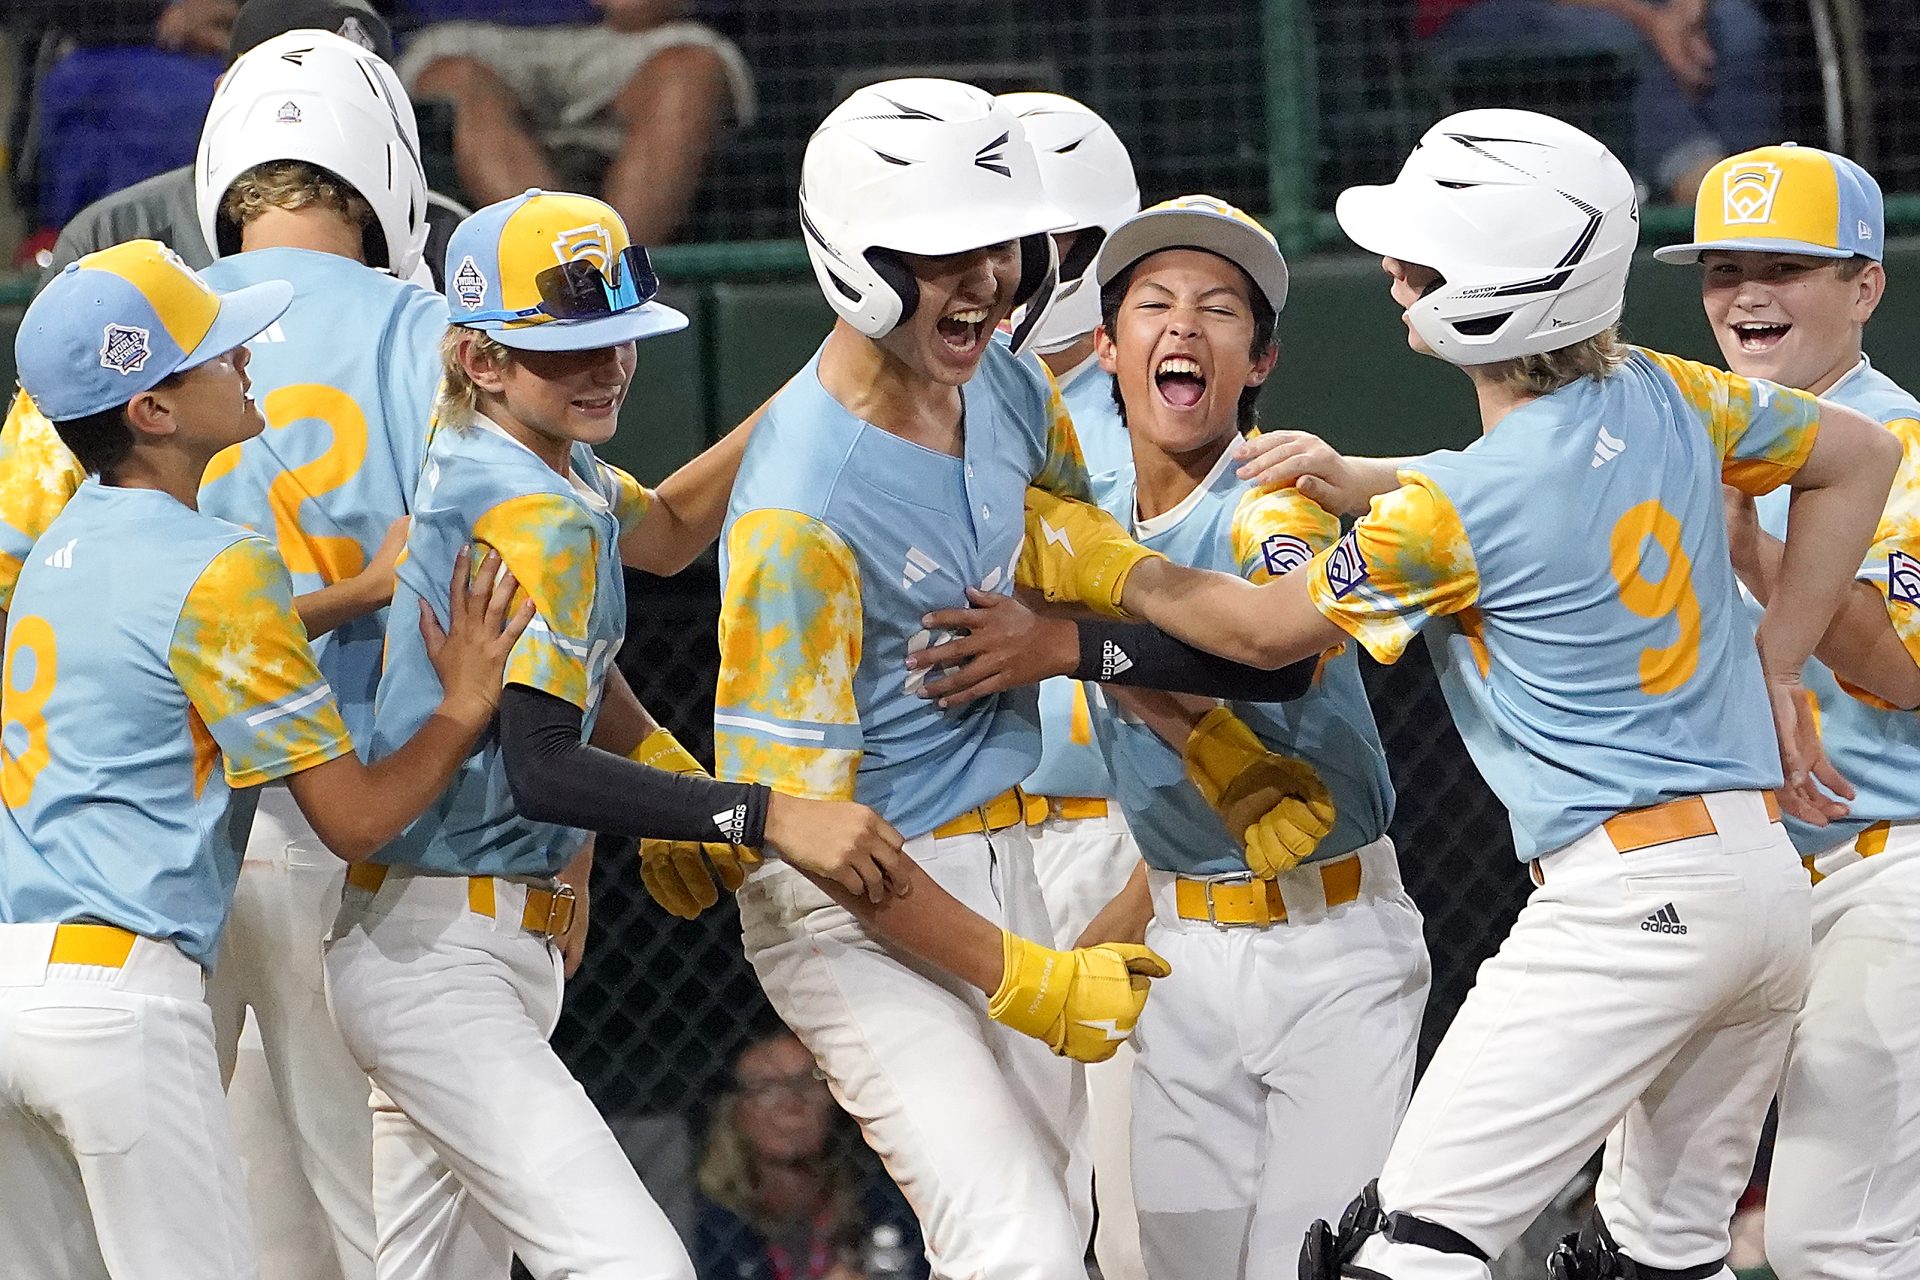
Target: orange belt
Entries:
(548, 911)
(1684, 819)
(1237, 902)
(105, 945)
(1066, 808)
(1871, 840)
(1008, 809)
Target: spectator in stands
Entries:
(1703, 92)
(162, 208)
(536, 82)
(787, 1192)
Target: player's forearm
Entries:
(689, 507)
(623, 722)
(336, 605)
(932, 924)
(1863, 649)
(357, 809)
(1267, 626)
(1124, 919)
(1171, 716)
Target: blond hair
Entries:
(459, 397)
(1548, 371)
(292, 184)
(727, 1174)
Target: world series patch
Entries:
(469, 286)
(1283, 553)
(124, 348)
(1346, 567)
(1903, 578)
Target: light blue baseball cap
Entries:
(553, 271)
(1786, 199)
(123, 320)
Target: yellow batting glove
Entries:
(679, 874)
(1076, 553)
(1081, 1003)
(1276, 806)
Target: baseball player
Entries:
(1789, 243)
(441, 968)
(155, 671)
(1610, 692)
(1290, 1022)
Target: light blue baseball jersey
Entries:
(154, 664)
(1233, 526)
(1875, 746)
(346, 381)
(1570, 568)
(839, 538)
(560, 538)
(1071, 763)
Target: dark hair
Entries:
(1850, 268)
(1264, 321)
(101, 441)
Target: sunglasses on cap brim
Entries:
(580, 290)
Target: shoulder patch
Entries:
(1283, 552)
(1903, 578)
(1346, 566)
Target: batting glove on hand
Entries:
(1076, 553)
(1082, 1004)
(679, 874)
(1276, 806)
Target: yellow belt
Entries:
(548, 911)
(1684, 819)
(1871, 840)
(1066, 808)
(105, 945)
(1250, 902)
(1008, 809)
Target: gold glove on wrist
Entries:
(1077, 554)
(1081, 1004)
(679, 874)
(1276, 806)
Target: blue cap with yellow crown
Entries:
(123, 320)
(1786, 199)
(552, 271)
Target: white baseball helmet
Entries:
(1088, 175)
(315, 97)
(1531, 223)
(918, 166)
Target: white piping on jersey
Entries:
(1844, 378)
(288, 707)
(580, 486)
(769, 727)
(1154, 526)
(572, 646)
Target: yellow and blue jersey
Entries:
(1875, 746)
(1235, 527)
(560, 538)
(839, 537)
(1570, 568)
(346, 381)
(1070, 760)
(154, 664)
(38, 473)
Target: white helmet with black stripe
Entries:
(1530, 223)
(1088, 175)
(315, 97)
(918, 166)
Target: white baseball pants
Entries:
(1843, 1201)
(1082, 863)
(972, 1120)
(286, 898)
(1600, 1019)
(484, 1145)
(115, 1153)
(1274, 1067)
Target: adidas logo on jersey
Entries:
(919, 565)
(1113, 660)
(732, 823)
(1607, 447)
(1665, 920)
(63, 558)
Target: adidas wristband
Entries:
(1142, 656)
(556, 777)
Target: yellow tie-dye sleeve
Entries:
(631, 499)
(1065, 469)
(1893, 561)
(1277, 530)
(37, 475)
(241, 655)
(550, 547)
(790, 642)
(1403, 563)
(1762, 430)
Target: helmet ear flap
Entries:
(897, 276)
(1037, 262)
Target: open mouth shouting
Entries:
(963, 330)
(1759, 337)
(1179, 381)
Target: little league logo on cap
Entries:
(125, 348)
(469, 286)
(1785, 199)
(1749, 189)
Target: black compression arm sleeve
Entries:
(556, 777)
(1145, 657)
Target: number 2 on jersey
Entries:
(30, 638)
(1664, 669)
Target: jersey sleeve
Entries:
(790, 639)
(1762, 430)
(412, 383)
(631, 500)
(548, 544)
(241, 654)
(1063, 469)
(1892, 564)
(1277, 530)
(38, 473)
(1405, 562)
